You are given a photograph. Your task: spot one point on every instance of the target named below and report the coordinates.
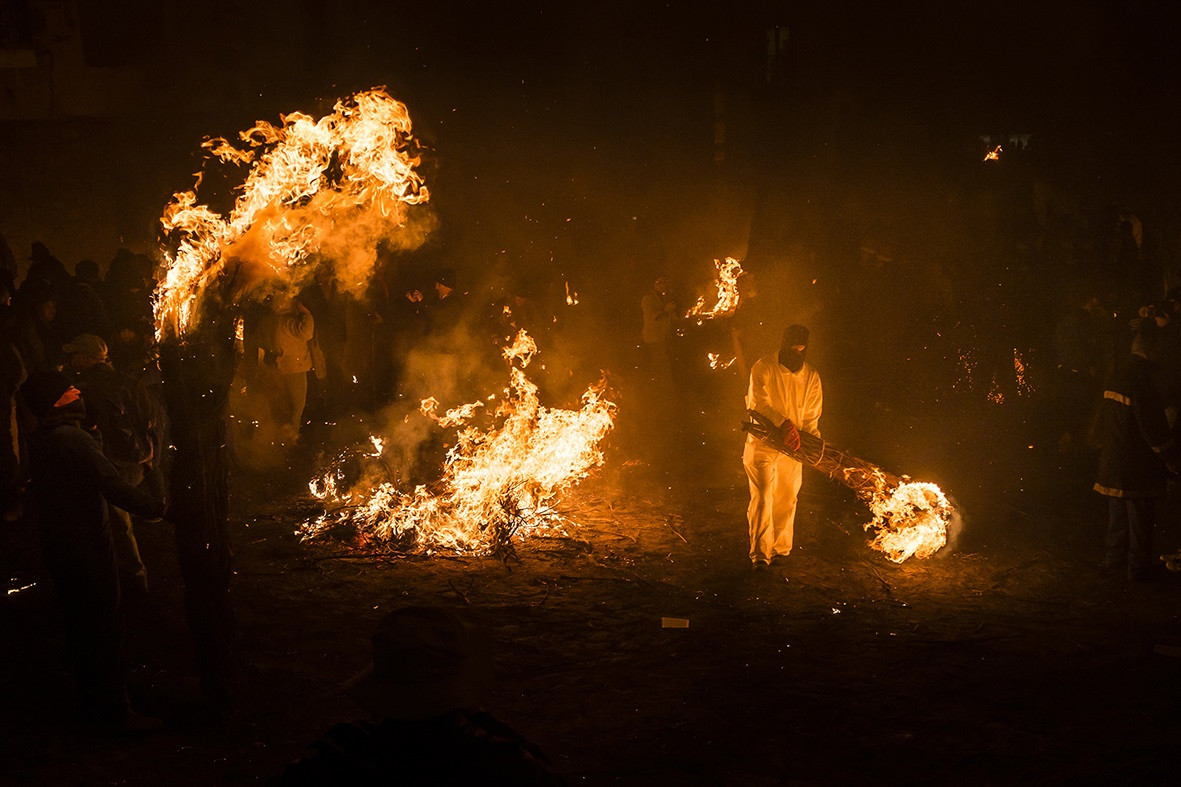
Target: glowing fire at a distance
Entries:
(994, 154)
(497, 481)
(716, 362)
(726, 284)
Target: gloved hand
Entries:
(791, 436)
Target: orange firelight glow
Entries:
(726, 285)
(325, 191)
(910, 519)
(498, 480)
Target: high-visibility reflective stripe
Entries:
(1117, 397)
(1129, 494)
(1106, 490)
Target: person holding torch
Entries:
(786, 389)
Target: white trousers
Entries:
(774, 486)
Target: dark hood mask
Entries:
(792, 359)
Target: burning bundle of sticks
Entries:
(909, 517)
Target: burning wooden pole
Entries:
(864, 478)
(910, 518)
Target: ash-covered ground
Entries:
(1010, 656)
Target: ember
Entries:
(716, 362)
(497, 481)
(1024, 386)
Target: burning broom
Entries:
(909, 517)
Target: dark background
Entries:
(583, 143)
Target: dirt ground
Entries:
(1010, 657)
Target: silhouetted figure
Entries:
(72, 482)
(429, 674)
(46, 269)
(328, 343)
(127, 293)
(294, 329)
(1081, 346)
(1170, 360)
(7, 266)
(197, 374)
(119, 411)
(746, 325)
(81, 308)
(12, 374)
(37, 331)
(1137, 453)
(658, 310)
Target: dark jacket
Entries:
(1133, 434)
(120, 409)
(71, 478)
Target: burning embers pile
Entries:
(497, 480)
(909, 517)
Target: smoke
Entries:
(319, 193)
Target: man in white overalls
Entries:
(783, 387)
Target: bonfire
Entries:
(498, 481)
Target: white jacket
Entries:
(778, 393)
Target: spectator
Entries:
(1136, 455)
(72, 482)
(12, 374)
(424, 688)
(82, 309)
(658, 310)
(120, 412)
(294, 329)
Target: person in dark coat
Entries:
(71, 483)
(12, 374)
(81, 308)
(1136, 455)
(127, 294)
(429, 674)
(119, 412)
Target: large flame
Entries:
(497, 481)
(334, 187)
(726, 284)
(910, 519)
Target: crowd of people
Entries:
(87, 452)
(86, 414)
